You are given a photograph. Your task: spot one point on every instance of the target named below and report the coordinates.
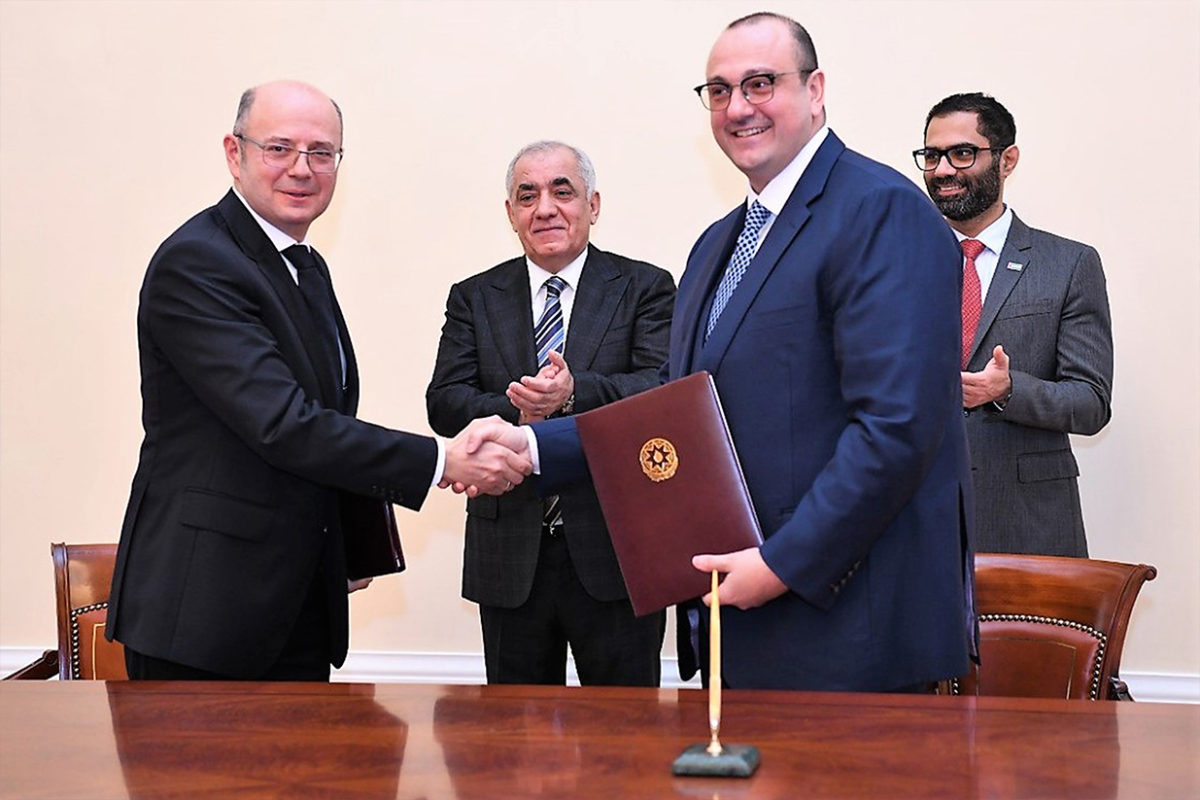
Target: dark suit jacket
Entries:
(245, 463)
(1051, 315)
(616, 341)
(836, 362)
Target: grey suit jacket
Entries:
(1047, 305)
(616, 342)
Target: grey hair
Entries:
(586, 171)
(247, 100)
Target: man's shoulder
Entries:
(503, 272)
(1046, 240)
(202, 224)
(205, 243)
(625, 264)
(867, 174)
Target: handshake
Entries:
(489, 456)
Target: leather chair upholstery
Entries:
(1052, 626)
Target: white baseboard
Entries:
(467, 668)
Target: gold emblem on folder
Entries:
(658, 459)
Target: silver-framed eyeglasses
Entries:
(757, 89)
(283, 156)
(961, 156)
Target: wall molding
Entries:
(467, 668)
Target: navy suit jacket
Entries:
(247, 460)
(836, 361)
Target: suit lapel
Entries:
(601, 285)
(1016, 251)
(784, 231)
(509, 310)
(254, 243)
(701, 278)
(350, 396)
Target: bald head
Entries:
(248, 97)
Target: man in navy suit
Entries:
(832, 331)
(1037, 350)
(231, 561)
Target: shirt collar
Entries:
(278, 238)
(776, 193)
(993, 236)
(570, 273)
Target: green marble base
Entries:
(735, 761)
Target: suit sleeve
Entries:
(217, 329)
(455, 395)
(647, 346)
(1078, 398)
(890, 286)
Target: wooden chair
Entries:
(82, 579)
(1052, 626)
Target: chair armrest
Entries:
(1117, 690)
(44, 668)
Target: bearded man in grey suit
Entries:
(1037, 336)
(543, 570)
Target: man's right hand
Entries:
(489, 456)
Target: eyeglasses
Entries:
(961, 156)
(757, 89)
(284, 155)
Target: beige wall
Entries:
(111, 117)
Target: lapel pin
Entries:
(1014, 266)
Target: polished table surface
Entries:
(238, 740)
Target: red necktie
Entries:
(972, 297)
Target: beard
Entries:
(980, 194)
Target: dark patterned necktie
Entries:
(318, 296)
(549, 335)
(972, 297)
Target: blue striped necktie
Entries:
(548, 335)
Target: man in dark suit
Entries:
(231, 561)
(826, 309)
(1037, 352)
(543, 571)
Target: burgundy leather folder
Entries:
(670, 485)
(370, 537)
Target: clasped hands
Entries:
(538, 396)
(489, 456)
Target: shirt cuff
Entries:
(440, 466)
(531, 437)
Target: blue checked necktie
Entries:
(548, 335)
(743, 254)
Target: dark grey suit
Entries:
(616, 341)
(1047, 305)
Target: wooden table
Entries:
(93, 740)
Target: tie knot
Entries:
(554, 286)
(756, 216)
(972, 248)
(300, 256)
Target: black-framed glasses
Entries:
(284, 156)
(961, 156)
(757, 89)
